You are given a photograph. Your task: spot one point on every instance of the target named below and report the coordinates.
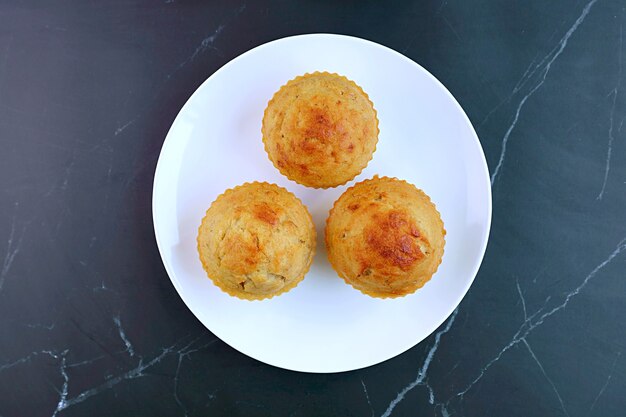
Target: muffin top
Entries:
(256, 240)
(320, 130)
(385, 237)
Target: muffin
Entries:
(256, 241)
(385, 237)
(320, 130)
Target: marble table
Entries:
(89, 321)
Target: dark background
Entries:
(89, 321)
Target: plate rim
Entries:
(483, 163)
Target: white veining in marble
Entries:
(182, 354)
(176, 397)
(529, 325)
(517, 337)
(528, 75)
(367, 396)
(547, 65)
(614, 93)
(120, 329)
(136, 372)
(102, 287)
(539, 274)
(206, 43)
(17, 362)
(444, 412)
(124, 126)
(421, 375)
(606, 384)
(62, 367)
(452, 29)
(68, 171)
(65, 401)
(545, 374)
(88, 361)
(431, 393)
(41, 326)
(621, 246)
(64, 389)
(521, 297)
(13, 248)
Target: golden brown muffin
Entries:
(385, 237)
(256, 241)
(320, 130)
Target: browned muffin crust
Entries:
(320, 130)
(385, 237)
(256, 241)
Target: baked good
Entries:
(320, 130)
(256, 241)
(385, 237)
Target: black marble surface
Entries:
(89, 321)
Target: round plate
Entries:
(323, 325)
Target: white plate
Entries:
(323, 325)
